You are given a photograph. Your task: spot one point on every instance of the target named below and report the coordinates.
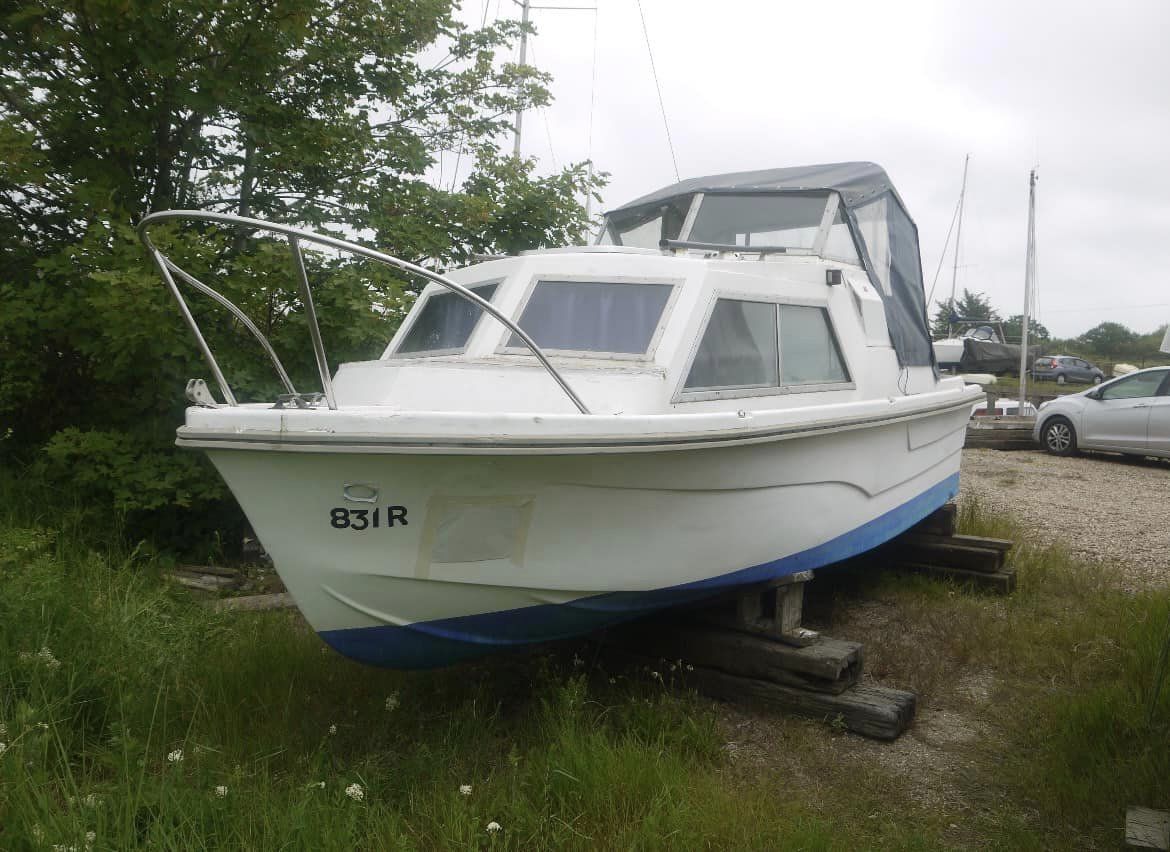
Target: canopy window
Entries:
(777, 208)
(593, 316)
(787, 220)
(444, 323)
(763, 345)
(646, 227)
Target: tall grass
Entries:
(134, 718)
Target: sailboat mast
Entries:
(958, 242)
(1029, 286)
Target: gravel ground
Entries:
(1101, 507)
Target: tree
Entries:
(1109, 339)
(972, 306)
(1013, 328)
(309, 112)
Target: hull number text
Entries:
(357, 520)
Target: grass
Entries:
(125, 706)
(107, 673)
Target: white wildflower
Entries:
(38, 833)
(3, 748)
(90, 837)
(221, 791)
(690, 668)
(320, 785)
(465, 789)
(332, 729)
(392, 701)
(175, 756)
(493, 827)
(577, 661)
(355, 792)
(3, 729)
(91, 800)
(656, 675)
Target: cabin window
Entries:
(738, 349)
(766, 345)
(808, 352)
(593, 316)
(445, 322)
(788, 220)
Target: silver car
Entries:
(1126, 415)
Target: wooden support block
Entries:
(1002, 582)
(872, 711)
(217, 570)
(945, 553)
(829, 665)
(929, 539)
(204, 582)
(253, 603)
(1147, 828)
(774, 611)
(942, 521)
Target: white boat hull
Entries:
(476, 553)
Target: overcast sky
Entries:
(1081, 89)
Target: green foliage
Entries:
(1109, 339)
(1013, 330)
(971, 306)
(304, 111)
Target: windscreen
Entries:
(645, 227)
(787, 219)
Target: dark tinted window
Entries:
(738, 349)
(445, 321)
(593, 316)
(762, 344)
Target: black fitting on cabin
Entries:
(833, 276)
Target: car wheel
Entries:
(1060, 380)
(1059, 438)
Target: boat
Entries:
(734, 384)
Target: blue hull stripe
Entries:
(428, 644)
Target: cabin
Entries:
(778, 288)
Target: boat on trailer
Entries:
(734, 384)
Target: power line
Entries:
(658, 88)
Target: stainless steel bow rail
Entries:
(170, 270)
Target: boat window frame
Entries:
(416, 311)
(674, 282)
(682, 395)
(832, 205)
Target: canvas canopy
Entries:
(886, 236)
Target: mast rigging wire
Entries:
(658, 88)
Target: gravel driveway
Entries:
(1099, 506)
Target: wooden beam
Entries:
(872, 711)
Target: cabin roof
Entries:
(856, 182)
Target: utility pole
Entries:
(524, 5)
(1029, 286)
